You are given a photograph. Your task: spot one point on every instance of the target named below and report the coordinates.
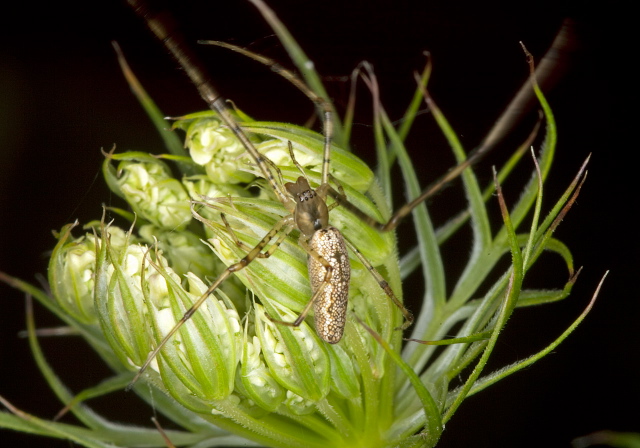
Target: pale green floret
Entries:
(251, 356)
(217, 149)
(154, 195)
(256, 380)
(133, 260)
(158, 290)
(118, 239)
(298, 405)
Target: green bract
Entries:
(232, 374)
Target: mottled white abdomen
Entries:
(331, 305)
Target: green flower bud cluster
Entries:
(177, 302)
(136, 285)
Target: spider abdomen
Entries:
(330, 307)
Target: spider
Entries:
(308, 212)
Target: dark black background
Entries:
(62, 98)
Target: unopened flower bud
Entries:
(72, 271)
